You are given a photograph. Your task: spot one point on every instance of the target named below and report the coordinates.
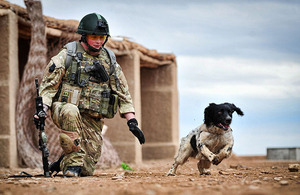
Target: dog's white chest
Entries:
(214, 142)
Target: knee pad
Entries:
(67, 144)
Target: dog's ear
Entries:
(237, 109)
(208, 114)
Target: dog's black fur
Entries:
(220, 115)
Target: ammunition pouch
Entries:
(112, 106)
(94, 99)
(70, 94)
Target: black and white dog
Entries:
(211, 142)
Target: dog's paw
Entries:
(216, 160)
(170, 174)
(205, 172)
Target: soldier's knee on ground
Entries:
(67, 144)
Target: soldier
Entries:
(83, 84)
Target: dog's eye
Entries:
(220, 112)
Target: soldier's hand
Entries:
(36, 116)
(133, 127)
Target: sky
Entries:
(241, 52)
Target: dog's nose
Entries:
(228, 121)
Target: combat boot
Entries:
(73, 171)
(54, 167)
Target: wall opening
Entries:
(24, 45)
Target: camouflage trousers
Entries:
(84, 130)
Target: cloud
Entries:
(259, 29)
(264, 29)
(238, 77)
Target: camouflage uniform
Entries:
(78, 121)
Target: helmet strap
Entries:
(106, 39)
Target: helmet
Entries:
(93, 24)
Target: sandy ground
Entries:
(237, 175)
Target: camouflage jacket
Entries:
(55, 73)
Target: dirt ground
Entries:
(237, 175)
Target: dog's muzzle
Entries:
(225, 127)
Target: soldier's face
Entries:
(96, 41)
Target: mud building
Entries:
(152, 79)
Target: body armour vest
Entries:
(86, 84)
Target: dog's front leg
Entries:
(225, 152)
(205, 157)
(206, 152)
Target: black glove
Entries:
(133, 127)
(42, 113)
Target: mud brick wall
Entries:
(155, 97)
(9, 81)
(159, 111)
(126, 144)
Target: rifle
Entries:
(40, 123)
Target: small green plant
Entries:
(126, 167)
